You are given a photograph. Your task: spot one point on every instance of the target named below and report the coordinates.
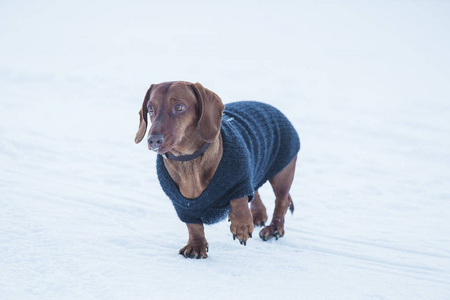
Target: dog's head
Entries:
(180, 113)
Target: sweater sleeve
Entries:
(187, 218)
(236, 182)
(243, 188)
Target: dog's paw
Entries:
(259, 214)
(258, 211)
(195, 250)
(259, 218)
(241, 220)
(272, 231)
(241, 228)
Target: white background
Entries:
(366, 84)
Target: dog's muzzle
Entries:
(155, 141)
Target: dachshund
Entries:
(212, 159)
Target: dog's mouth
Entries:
(167, 146)
(158, 150)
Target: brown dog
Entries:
(211, 165)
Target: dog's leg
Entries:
(241, 220)
(197, 245)
(281, 185)
(258, 211)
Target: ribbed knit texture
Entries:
(258, 142)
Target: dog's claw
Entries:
(234, 237)
(262, 236)
(242, 242)
(250, 235)
(194, 254)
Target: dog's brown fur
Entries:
(184, 133)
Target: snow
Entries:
(365, 83)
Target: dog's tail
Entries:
(291, 204)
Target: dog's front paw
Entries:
(241, 227)
(196, 249)
(241, 220)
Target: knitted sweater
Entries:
(258, 142)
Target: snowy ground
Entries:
(366, 84)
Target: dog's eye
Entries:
(150, 109)
(179, 107)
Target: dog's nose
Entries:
(155, 141)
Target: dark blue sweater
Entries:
(258, 142)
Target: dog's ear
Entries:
(210, 108)
(143, 117)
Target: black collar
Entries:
(186, 157)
